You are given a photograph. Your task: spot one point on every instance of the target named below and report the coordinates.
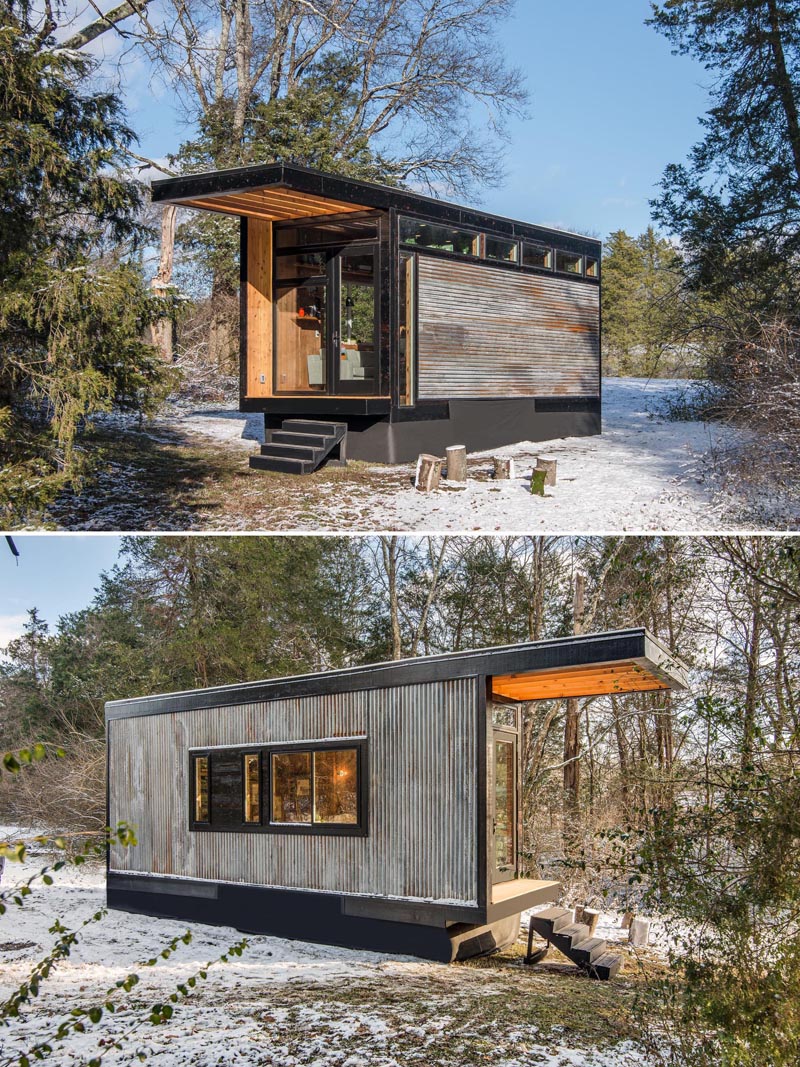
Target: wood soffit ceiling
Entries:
(592, 680)
(274, 202)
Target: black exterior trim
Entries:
(266, 825)
(571, 651)
(323, 918)
(350, 191)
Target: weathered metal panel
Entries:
(422, 793)
(487, 331)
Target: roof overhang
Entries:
(283, 191)
(584, 665)
(651, 671)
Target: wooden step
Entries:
(567, 937)
(313, 440)
(274, 448)
(327, 429)
(606, 966)
(551, 920)
(282, 464)
(588, 950)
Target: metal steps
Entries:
(574, 941)
(301, 446)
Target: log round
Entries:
(456, 463)
(429, 473)
(549, 466)
(537, 481)
(503, 468)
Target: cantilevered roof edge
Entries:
(350, 190)
(632, 645)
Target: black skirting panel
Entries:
(299, 916)
(478, 424)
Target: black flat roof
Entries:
(619, 645)
(353, 191)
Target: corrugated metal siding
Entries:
(422, 794)
(485, 331)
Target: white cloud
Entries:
(11, 626)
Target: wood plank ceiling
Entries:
(594, 680)
(273, 202)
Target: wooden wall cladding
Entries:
(422, 842)
(486, 331)
(258, 299)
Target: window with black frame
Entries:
(314, 789)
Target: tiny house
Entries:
(379, 323)
(374, 807)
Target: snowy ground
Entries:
(644, 472)
(289, 1003)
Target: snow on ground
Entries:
(283, 1003)
(645, 472)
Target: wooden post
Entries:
(549, 467)
(429, 473)
(639, 934)
(456, 463)
(537, 482)
(503, 468)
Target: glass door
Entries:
(504, 806)
(302, 340)
(326, 321)
(356, 332)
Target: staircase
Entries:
(300, 446)
(573, 939)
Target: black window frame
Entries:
(266, 826)
(579, 273)
(253, 751)
(194, 756)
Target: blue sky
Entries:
(611, 107)
(57, 573)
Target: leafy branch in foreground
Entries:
(80, 1018)
(17, 852)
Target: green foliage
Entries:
(71, 316)
(722, 862)
(312, 125)
(643, 306)
(736, 203)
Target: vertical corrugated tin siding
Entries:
(485, 331)
(422, 793)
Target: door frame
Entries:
(509, 736)
(333, 322)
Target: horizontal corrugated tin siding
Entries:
(485, 331)
(422, 793)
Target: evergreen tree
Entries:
(736, 203)
(71, 313)
(643, 305)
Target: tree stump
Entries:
(538, 477)
(627, 919)
(591, 917)
(503, 468)
(639, 933)
(456, 463)
(549, 467)
(429, 473)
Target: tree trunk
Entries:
(429, 473)
(389, 549)
(784, 85)
(572, 739)
(162, 331)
